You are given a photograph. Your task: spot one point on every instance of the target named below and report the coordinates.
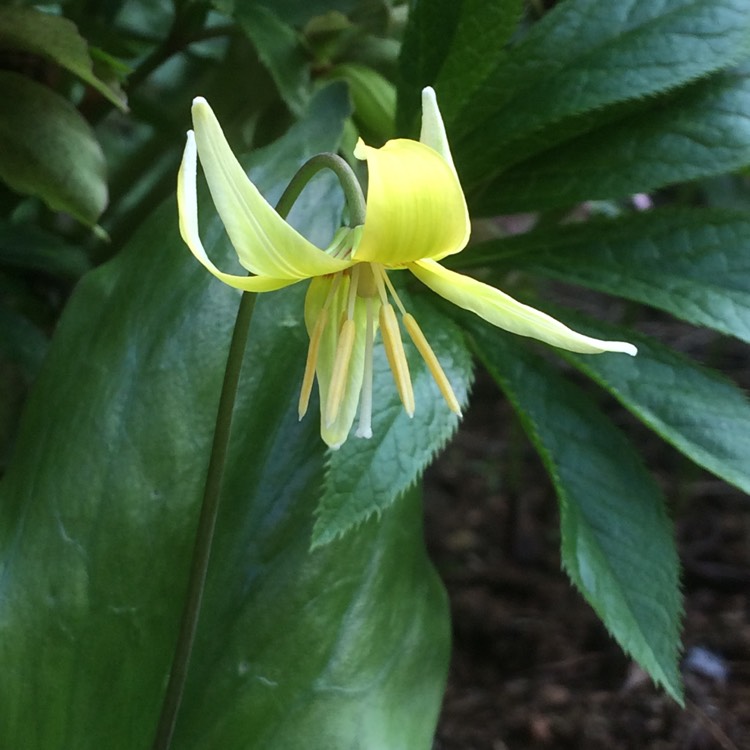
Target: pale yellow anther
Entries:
(312, 361)
(394, 349)
(341, 363)
(424, 348)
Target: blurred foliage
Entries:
(113, 343)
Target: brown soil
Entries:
(532, 666)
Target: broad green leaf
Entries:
(700, 131)
(57, 39)
(585, 55)
(27, 246)
(427, 41)
(693, 264)
(280, 51)
(701, 413)
(452, 45)
(482, 31)
(49, 150)
(364, 477)
(342, 647)
(617, 543)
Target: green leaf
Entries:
(617, 543)
(585, 55)
(21, 342)
(364, 477)
(57, 39)
(29, 247)
(342, 647)
(294, 12)
(693, 264)
(700, 131)
(481, 33)
(279, 49)
(50, 150)
(701, 413)
(453, 45)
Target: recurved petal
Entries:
(266, 245)
(501, 310)
(187, 205)
(433, 130)
(335, 433)
(415, 205)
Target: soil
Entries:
(533, 668)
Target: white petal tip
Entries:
(428, 93)
(622, 347)
(364, 433)
(199, 101)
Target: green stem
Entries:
(206, 526)
(214, 476)
(355, 200)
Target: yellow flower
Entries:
(416, 215)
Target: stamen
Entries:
(364, 428)
(341, 362)
(394, 349)
(312, 361)
(353, 285)
(379, 273)
(314, 348)
(395, 296)
(432, 363)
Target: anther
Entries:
(424, 348)
(394, 349)
(312, 361)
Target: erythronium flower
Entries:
(416, 215)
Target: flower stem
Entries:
(214, 476)
(206, 526)
(355, 200)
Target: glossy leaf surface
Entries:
(340, 647)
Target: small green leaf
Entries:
(699, 412)
(617, 543)
(57, 39)
(279, 49)
(49, 150)
(699, 131)
(364, 477)
(585, 55)
(693, 264)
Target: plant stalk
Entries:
(215, 474)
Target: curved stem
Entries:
(355, 200)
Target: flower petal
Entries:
(265, 243)
(433, 130)
(415, 205)
(335, 434)
(187, 205)
(503, 311)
